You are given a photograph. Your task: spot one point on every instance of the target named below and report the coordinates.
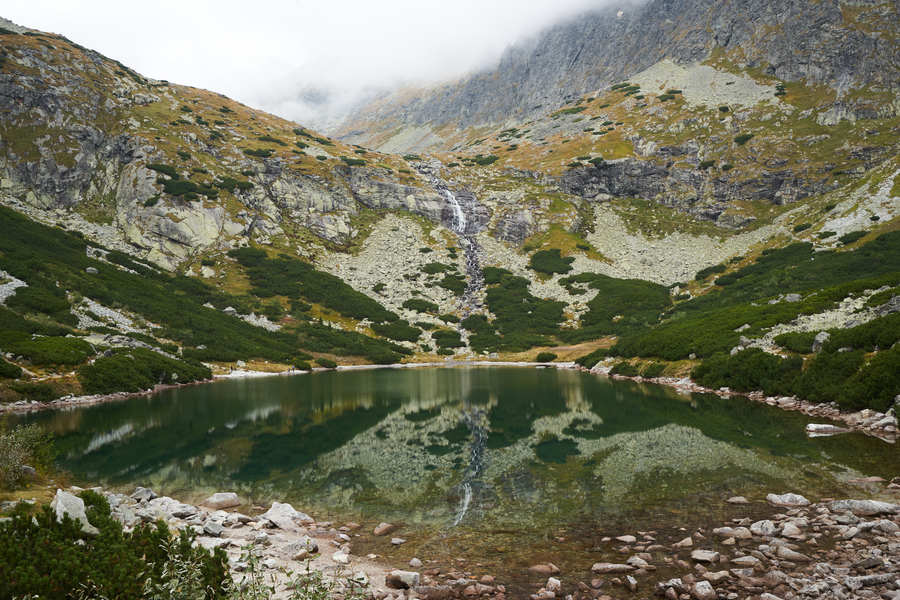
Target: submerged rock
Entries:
(384, 529)
(221, 500)
(602, 567)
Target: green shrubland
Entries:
(55, 560)
(136, 369)
(550, 262)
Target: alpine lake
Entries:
(491, 469)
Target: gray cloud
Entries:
(300, 59)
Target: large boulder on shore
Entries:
(168, 508)
(67, 504)
(284, 516)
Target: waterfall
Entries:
(459, 217)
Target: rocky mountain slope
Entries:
(173, 171)
(846, 48)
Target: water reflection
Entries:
(470, 447)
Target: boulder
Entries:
(741, 533)
(787, 500)
(746, 561)
(864, 508)
(221, 500)
(792, 555)
(611, 568)
(637, 562)
(819, 341)
(717, 577)
(213, 528)
(302, 547)
(165, 508)
(142, 494)
(703, 590)
(341, 557)
(791, 531)
(283, 516)
(764, 528)
(65, 503)
(401, 580)
(705, 556)
(824, 429)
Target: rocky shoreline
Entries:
(881, 425)
(789, 549)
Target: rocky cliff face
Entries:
(843, 46)
(172, 171)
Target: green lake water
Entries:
(474, 462)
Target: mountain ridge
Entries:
(854, 44)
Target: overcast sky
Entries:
(265, 53)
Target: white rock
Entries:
(285, 517)
(746, 561)
(553, 585)
(142, 494)
(65, 503)
(787, 499)
(703, 590)
(788, 554)
(637, 562)
(341, 558)
(765, 528)
(221, 500)
(611, 568)
(791, 531)
(169, 507)
(864, 507)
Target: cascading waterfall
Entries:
(459, 217)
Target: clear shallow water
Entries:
(496, 451)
